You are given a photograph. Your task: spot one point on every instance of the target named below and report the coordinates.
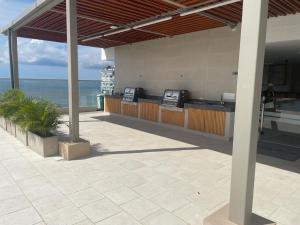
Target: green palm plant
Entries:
(10, 103)
(38, 116)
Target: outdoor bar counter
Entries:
(210, 118)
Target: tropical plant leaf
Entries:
(31, 114)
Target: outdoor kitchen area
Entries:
(178, 109)
(188, 74)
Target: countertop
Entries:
(151, 99)
(211, 105)
(198, 104)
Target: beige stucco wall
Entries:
(202, 62)
(284, 28)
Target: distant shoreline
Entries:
(5, 78)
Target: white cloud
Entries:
(43, 53)
(11, 9)
(37, 52)
(92, 58)
(4, 54)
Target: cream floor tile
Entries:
(192, 214)
(30, 183)
(119, 219)
(149, 190)
(132, 164)
(107, 184)
(13, 204)
(211, 200)
(26, 216)
(51, 203)
(169, 201)
(71, 185)
(132, 180)
(9, 191)
(6, 180)
(37, 192)
(140, 208)
(121, 195)
(264, 208)
(162, 217)
(85, 197)
(85, 222)
(23, 173)
(100, 210)
(285, 217)
(65, 216)
(163, 180)
(201, 175)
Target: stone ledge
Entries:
(220, 217)
(72, 150)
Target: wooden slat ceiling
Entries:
(95, 17)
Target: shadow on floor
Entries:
(107, 152)
(279, 144)
(175, 133)
(269, 152)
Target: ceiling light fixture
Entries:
(201, 9)
(108, 34)
(117, 32)
(153, 22)
(92, 38)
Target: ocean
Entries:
(56, 90)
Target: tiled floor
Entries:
(149, 175)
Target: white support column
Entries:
(71, 14)
(13, 56)
(251, 61)
(10, 61)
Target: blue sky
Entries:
(41, 59)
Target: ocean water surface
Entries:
(56, 90)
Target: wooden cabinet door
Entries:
(208, 121)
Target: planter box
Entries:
(10, 127)
(22, 135)
(43, 146)
(2, 123)
(71, 150)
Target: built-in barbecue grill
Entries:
(175, 98)
(132, 94)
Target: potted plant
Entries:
(20, 133)
(2, 119)
(2, 122)
(10, 103)
(40, 118)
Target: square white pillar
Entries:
(249, 86)
(13, 57)
(71, 14)
(251, 61)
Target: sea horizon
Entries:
(8, 78)
(56, 91)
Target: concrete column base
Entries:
(71, 150)
(221, 217)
